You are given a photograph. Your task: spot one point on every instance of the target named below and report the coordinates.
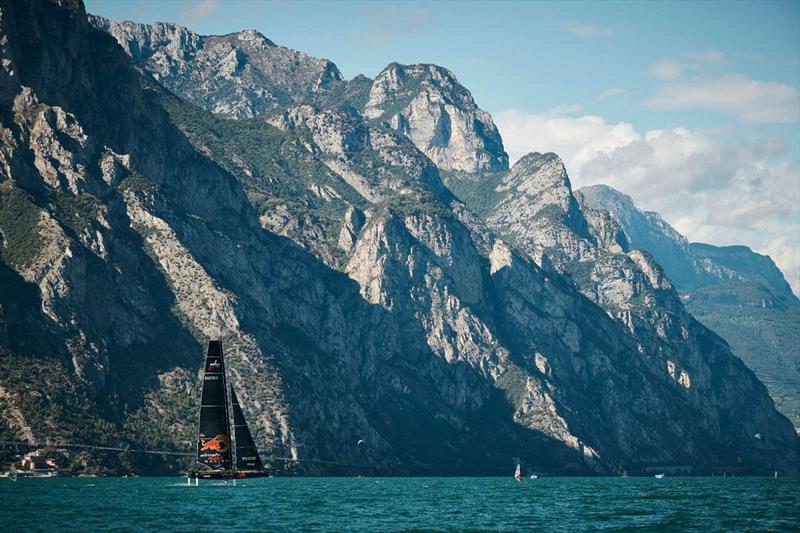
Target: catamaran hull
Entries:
(230, 475)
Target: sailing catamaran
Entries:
(214, 449)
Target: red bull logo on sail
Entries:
(219, 444)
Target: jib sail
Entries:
(214, 439)
(246, 452)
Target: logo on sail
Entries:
(219, 444)
(214, 366)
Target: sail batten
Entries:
(214, 435)
(247, 457)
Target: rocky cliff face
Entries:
(689, 265)
(240, 75)
(135, 227)
(739, 294)
(534, 207)
(245, 75)
(646, 230)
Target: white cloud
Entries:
(608, 93)
(720, 189)
(671, 68)
(199, 10)
(586, 30)
(576, 139)
(385, 24)
(667, 69)
(706, 56)
(748, 99)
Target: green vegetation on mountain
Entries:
(476, 190)
(58, 408)
(762, 330)
(19, 227)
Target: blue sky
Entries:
(690, 107)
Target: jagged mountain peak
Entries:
(397, 75)
(645, 230)
(238, 75)
(244, 75)
(689, 265)
(428, 104)
(539, 158)
(539, 185)
(623, 207)
(251, 35)
(547, 169)
(609, 196)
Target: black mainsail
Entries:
(214, 438)
(246, 452)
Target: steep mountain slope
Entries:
(646, 230)
(135, 228)
(739, 294)
(533, 206)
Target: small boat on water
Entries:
(534, 476)
(11, 473)
(659, 476)
(219, 456)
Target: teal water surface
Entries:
(402, 504)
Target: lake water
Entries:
(402, 504)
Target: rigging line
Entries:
(154, 452)
(92, 447)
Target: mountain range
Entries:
(736, 292)
(374, 268)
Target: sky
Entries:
(692, 108)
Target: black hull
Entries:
(231, 474)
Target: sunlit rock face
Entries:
(240, 75)
(426, 103)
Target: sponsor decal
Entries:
(220, 444)
(214, 366)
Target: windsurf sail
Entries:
(518, 472)
(246, 452)
(214, 435)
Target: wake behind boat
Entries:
(218, 456)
